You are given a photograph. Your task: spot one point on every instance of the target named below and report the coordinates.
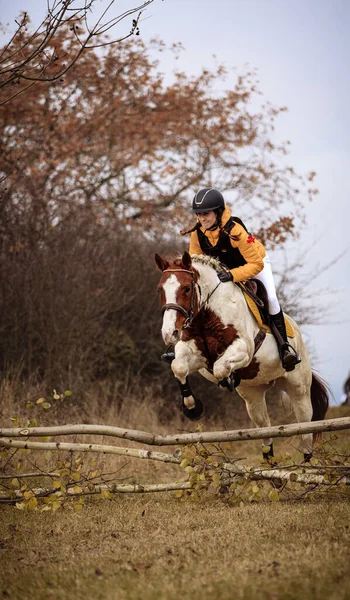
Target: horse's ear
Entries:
(186, 260)
(161, 263)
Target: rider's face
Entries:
(207, 219)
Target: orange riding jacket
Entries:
(251, 250)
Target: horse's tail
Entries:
(319, 400)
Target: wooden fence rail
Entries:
(99, 448)
(182, 438)
(308, 475)
(301, 474)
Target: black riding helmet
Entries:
(207, 199)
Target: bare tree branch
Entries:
(18, 58)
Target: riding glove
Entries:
(225, 276)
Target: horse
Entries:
(215, 333)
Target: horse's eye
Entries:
(187, 289)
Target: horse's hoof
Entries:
(193, 413)
(168, 357)
(231, 382)
(307, 457)
(269, 454)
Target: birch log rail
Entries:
(137, 488)
(227, 471)
(183, 438)
(307, 476)
(100, 448)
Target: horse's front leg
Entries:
(188, 359)
(192, 407)
(236, 356)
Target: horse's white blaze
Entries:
(171, 287)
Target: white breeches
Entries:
(266, 277)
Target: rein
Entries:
(189, 315)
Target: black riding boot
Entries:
(289, 357)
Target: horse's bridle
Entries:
(188, 314)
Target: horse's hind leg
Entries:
(298, 389)
(254, 398)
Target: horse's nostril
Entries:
(175, 333)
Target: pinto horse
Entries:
(215, 333)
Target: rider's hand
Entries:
(225, 276)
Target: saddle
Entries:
(255, 295)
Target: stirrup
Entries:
(168, 357)
(231, 382)
(289, 357)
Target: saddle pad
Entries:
(254, 309)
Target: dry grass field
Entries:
(150, 547)
(155, 546)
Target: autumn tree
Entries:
(114, 139)
(96, 167)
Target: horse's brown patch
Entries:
(211, 336)
(251, 371)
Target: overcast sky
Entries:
(301, 49)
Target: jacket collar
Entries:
(225, 215)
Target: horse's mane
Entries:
(209, 261)
(199, 259)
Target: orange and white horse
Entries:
(215, 333)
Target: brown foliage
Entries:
(114, 138)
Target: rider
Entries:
(218, 234)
